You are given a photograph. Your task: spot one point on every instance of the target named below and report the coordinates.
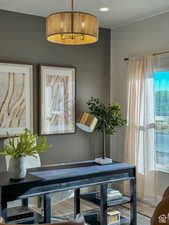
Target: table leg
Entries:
(103, 204)
(133, 205)
(76, 201)
(3, 211)
(47, 208)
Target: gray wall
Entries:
(22, 38)
(148, 36)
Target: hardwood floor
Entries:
(144, 209)
(65, 208)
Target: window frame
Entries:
(161, 168)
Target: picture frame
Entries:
(57, 100)
(16, 98)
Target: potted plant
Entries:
(109, 118)
(26, 145)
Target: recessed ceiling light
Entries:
(104, 9)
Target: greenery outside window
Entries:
(161, 87)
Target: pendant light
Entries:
(72, 27)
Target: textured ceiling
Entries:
(121, 12)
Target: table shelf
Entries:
(20, 214)
(123, 221)
(92, 220)
(92, 197)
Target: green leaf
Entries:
(109, 116)
(27, 145)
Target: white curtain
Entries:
(140, 132)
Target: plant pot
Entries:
(17, 168)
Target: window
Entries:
(161, 85)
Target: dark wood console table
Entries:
(68, 176)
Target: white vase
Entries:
(17, 168)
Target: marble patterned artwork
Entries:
(12, 100)
(57, 100)
(15, 98)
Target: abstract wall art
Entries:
(57, 105)
(16, 106)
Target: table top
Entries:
(64, 172)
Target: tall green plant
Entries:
(109, 116)
(26, 145)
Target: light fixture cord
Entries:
(72, 27)
(73, 5)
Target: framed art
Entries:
(16, 92)
(57, 105)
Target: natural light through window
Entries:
(162, 118)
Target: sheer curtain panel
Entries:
(140, 131)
